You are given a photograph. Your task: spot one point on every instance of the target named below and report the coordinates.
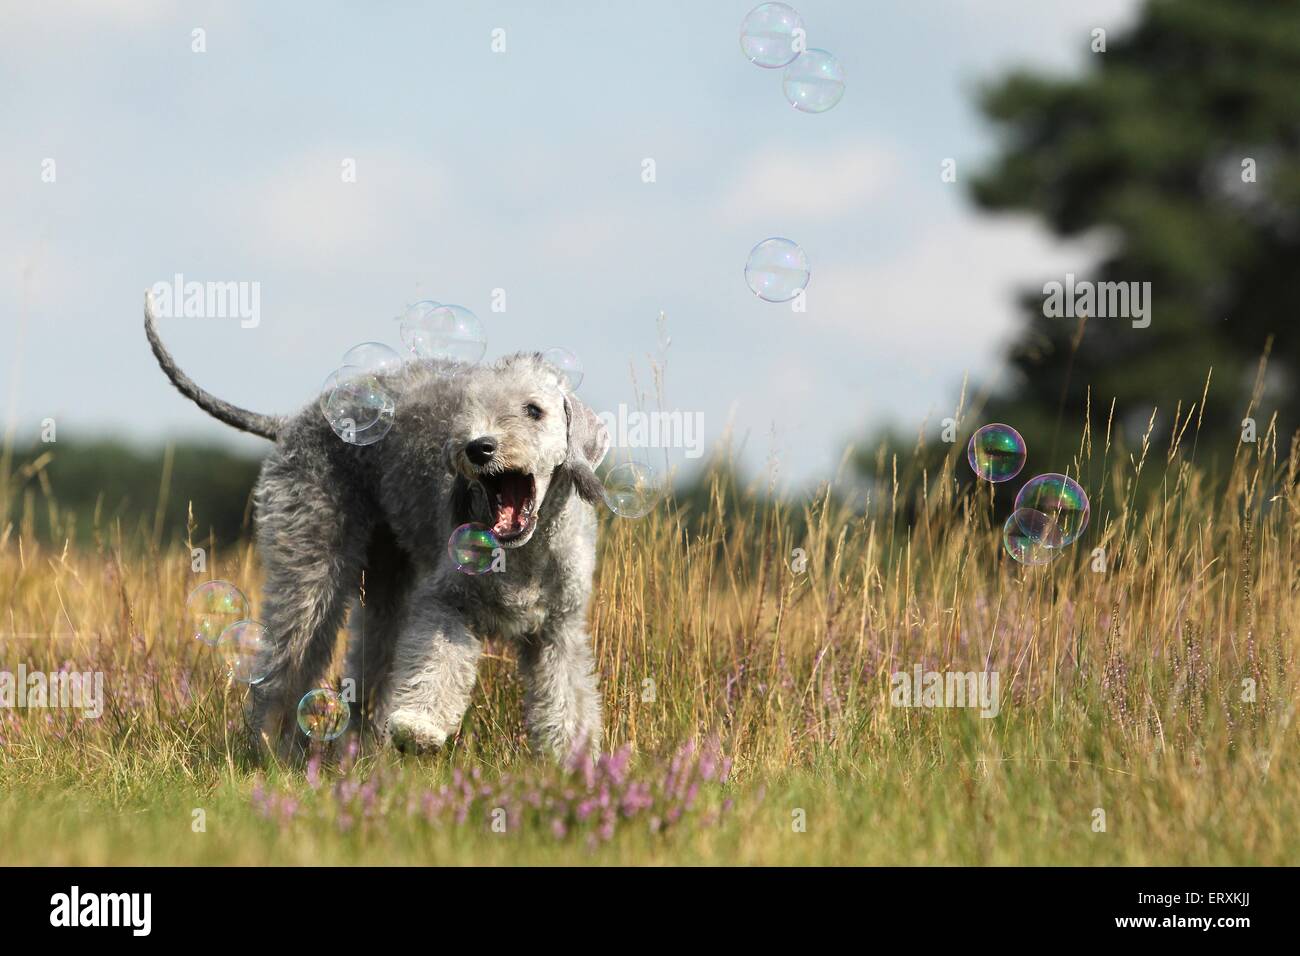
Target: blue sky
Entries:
(519, 170)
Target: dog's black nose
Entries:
(480, 450)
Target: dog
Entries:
(506, 445)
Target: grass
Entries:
(747, 703)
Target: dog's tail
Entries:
(266, 426)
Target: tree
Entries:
(1180, 146)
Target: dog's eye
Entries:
(533, 410)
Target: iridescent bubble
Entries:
(472, 548)
(777, 270)
(1063, 501)
(323, 714)
(349, 392)
(570, 365)
(373, 357)
(213, 607)
(246, 651)
(368, 436)
(1022, 545)
(814, 82)
(357, 406)
(449, 332)
(631, 489)
(411, 317)
(767, 35)
(996, 452)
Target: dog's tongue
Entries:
(512, 495)
(505, 519)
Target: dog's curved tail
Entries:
(267, 426)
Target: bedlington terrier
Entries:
(507, 445)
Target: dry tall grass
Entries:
(1160, 690)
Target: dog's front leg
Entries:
(435, 665)
(562, 699)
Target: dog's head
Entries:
(517, 429)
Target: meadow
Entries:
(746, 647)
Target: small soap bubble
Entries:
(356, 405)
(375, 357)
(777, 270)
(450, 332)
(570, 365)
(767, 35)
(472, 548)
(323, 714)
(631, 489)
(411, 316)
(1039, 527)
(246, 651)
(213, 607)
(1021, 544)
(368, 436)
(814, 82)
(1063, 500)
(996, 452)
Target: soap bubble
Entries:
(450, 332)
(1039, 527)
(323, 714)
(631, 489)
(996, 452)
(349, 392)
(1021, 544)
(767, 35)
(356, 405)
(372, 357)
(1062, 500)
(814, 82)
(471, 548)
(213, 607)
(568, 364)
(411, 317)
(777, 270)
(246, 651)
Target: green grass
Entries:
(1123, 691)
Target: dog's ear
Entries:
(588, 445)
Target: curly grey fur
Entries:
(327, 511)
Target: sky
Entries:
(522, 171)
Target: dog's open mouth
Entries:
(512, 502)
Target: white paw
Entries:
(411, 731)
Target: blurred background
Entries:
(982, 148)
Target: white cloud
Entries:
(305, 208)
(811, 183)
(76, 15)
(950, 295)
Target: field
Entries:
(1146, 712)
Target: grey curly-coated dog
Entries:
(507, 445)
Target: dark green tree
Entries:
(1179, 147)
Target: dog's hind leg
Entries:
(435, 668)
(311, 545)
(561, 700)
(375, 625)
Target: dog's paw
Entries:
(414, 733)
